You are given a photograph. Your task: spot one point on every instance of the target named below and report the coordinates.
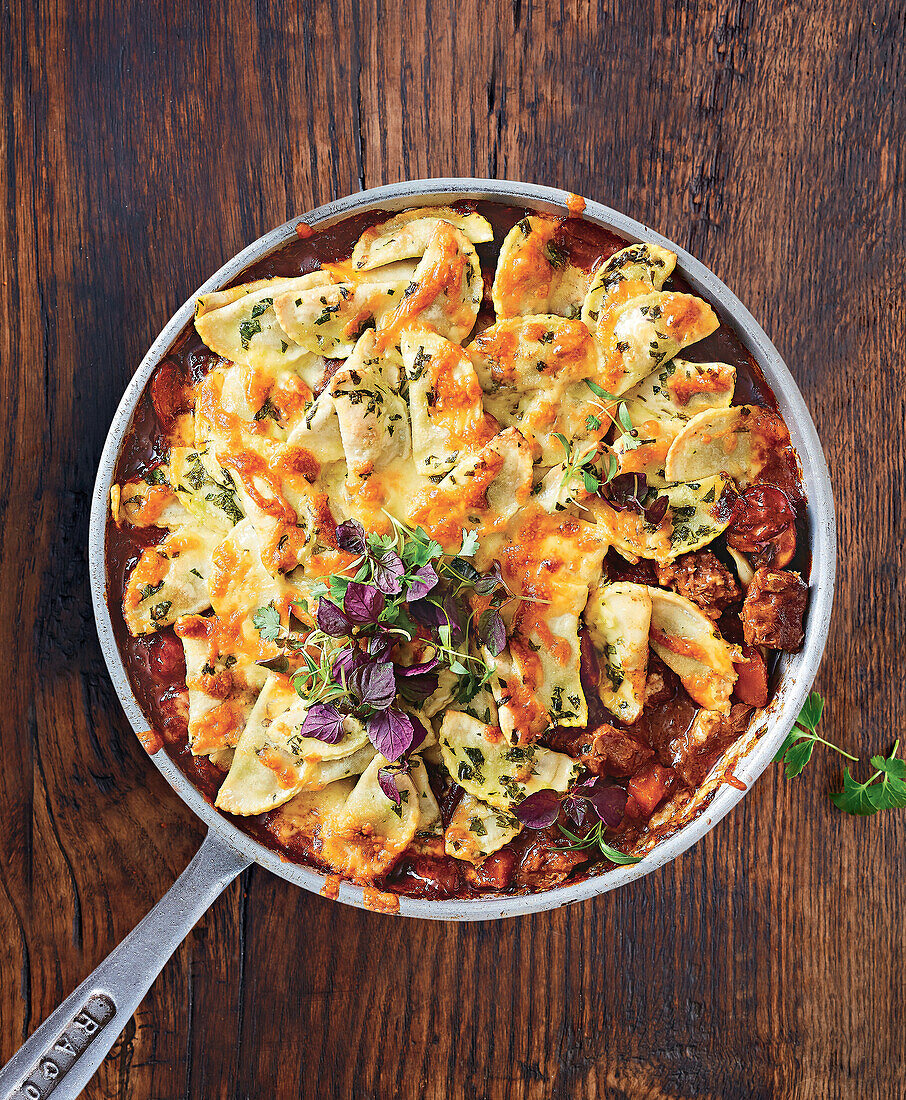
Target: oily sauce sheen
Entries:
(156, 667)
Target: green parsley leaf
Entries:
(866, 799)
(469, 544)
(267, 622)
(592, 423)
(797, 748)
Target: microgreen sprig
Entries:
(595, 839)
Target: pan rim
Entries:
(799, 669)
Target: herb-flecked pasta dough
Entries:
(450, 535)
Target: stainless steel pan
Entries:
(62, 1055)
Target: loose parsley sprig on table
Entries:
(885, 789)
(797, 749)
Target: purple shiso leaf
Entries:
(487, 582)
(331, 619)
(379, 645)
(655, 512)
(427, 613)
(416, 689)
(345, 662)
(374, 684)
(388, 784)
(421, 582)
(417, 670)
(419, 733)
(324, 722)
(388, 572)
(538, 810)
(605, 799)
(363, 603)
(626, 491)
(391, 732)
(351, 537)
(492, 632)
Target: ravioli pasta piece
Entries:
(661, 406)
(551, 561)
(307, 812)
(237, 402)
(445, 402)
(645, 264)
(696, 515)
(534, 275)
(687, 641)
(223, 690)
(367, 837)
(647, 331)
(273, 761)
(496, 772)
(678, 390)
(238, 580)
(206, 489)
(477, 830)
(328, 320)
(486, 490)
(445, 292)
(619, 617)
(429, 821)
(141, 504)
(170, 579)
(532, 371)
(245, 329)
(408, 234)
(374, 425)
(736, 442)
(699, 512)
(537, 682)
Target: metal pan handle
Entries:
(63, 1054)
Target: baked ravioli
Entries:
(442, 549)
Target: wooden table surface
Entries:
(143, 144)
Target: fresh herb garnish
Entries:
(594, 804)
(400, 588)
(865, 799)
(885, 788)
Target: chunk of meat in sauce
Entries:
(700, 577)
(612, 752)
(545, 864)
(773, 609)
(778, 552)
(696, 751)
(762, 513)
(496, 873)
(423, 876)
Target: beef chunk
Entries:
(609, 751)
(545, 865)
(773, 609)
(695, 751)
(700, 577)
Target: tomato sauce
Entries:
(535, 860)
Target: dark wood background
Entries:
(143, 143)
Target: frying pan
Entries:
(61, 1056)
